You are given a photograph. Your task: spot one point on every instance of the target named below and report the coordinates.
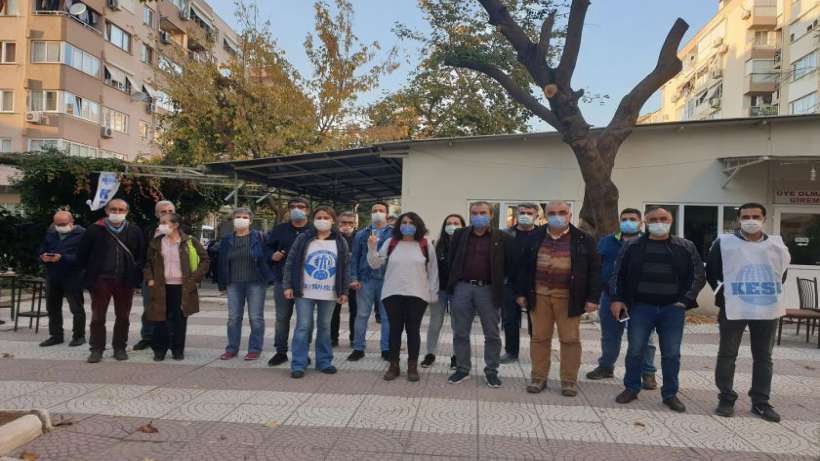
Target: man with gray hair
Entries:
(163, 207)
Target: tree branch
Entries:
(572, 43)
(629, 109)
(543, 46)
(521, 95)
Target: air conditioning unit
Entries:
(717, 42)
(714, 102)
(113, 4)
(723, 49)
(775, 98)
(184, 15)
(164, 37)
(35, 117)
(106, 132)
(778, 56)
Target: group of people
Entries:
(643, 278)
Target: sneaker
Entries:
(51, 341)
(725, 409)
(177, 355)
(77, 342)
(626, 396)
(355, 356)
(492, 380)
(251, 356)
(297, 374)
(536, 387)
(648, 382)
(675, 404)
(428, 361)
(386, 356)
(600, 373)
(227, 356)
(453, 363)
(278, 359)
(569, 389)
(457, 377)
(142, 345)
(120, 354)
(766, 412)
(508, 358)
(95, 357)
(331, 370)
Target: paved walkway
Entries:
(207, 409)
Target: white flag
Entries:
(107, 187)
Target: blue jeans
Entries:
(369, 294)
(668, 322)
(611, 333)
(254, 294)
(304, 328)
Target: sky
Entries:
(620, 44)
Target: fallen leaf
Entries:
(640, 424)
(6, 355)
(29, 456)
(273, 424)
(809, 367)
(223, 437)
(64, 422)
(148, 429)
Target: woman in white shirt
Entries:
(410, 284)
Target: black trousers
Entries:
(762, 335)
(336, 320)
(511, 322)
(72, 291)
(170, 334)
(404, 313)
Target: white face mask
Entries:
(241, 223)
(117, 218)
(659, 229)
(450, 229)
(751, 226)
(164, 229)
(322, 224)
(378, 218)
(525, 220)
(64, 229)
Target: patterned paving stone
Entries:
(387, 413)
(378, 441)
(771, 438)
(140, 451)
(326, 410)
(67, 446)
(514, 420)
(638, 427)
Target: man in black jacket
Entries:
(112, 252)
(63, 278)
(657, 277)
(559, 279)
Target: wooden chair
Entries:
(809, 310)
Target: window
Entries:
(11, 8)
(6, 101)
(82, 108)
(8, 52)
(80, 60)
(146, 54)
(804, 66)
(801, 234)
(805, 105)
(42, 101)
(163, 101)
(5, 144)
(116, 78)
(118, 37)
(148, 16)
(45, 52)
(115, 120)
(42, 144)
(144, 131)
(765, 38)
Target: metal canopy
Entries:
(351, 175)
(733, 165)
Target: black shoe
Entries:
(77, 342)
(334, 343)
(428, 361)
(508, 358)
(386, 356)
(492, 380)
(278, 359)
(378, 319)
(457, 377)
(177, 355)
(766, 412)
(142, 345)
(626, 396)
(355, 356)
(159, 356)
(51, 341)
(725, 409)
(648, 382)
(120, 354)
(297, 374)
(600, 373)
(95, 357)
(331, 370)
(675, 404)
(453, 365)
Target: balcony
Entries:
(90, 20)
(763, 111)
(761, 83)
(763, 15)
(170, 18)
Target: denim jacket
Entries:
(360, 271)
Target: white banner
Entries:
(107, 187)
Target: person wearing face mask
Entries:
(749, 300)
(521, 233)
(175, 265)
(368, 283)
(316, 277)
(612, 330)
(347, 227)
(279, 242)
(438, 309)
(410, 284)
(58, 253)
(656, 278)
(559, 280)
(480, 260)
(245, 273)
(112, 251)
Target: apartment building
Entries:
(83, 76)
(754, 58)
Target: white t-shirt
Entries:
(407, 273)
(319, 281)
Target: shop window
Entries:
(700, 225)
(801, 234)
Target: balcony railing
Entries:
(763, 111)
(67, 15)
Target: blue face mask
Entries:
(629, 227)
(480, 221)
(557, 222)
(296, 214)
(407, 230)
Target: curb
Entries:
(28, 426)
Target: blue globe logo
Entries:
(758, 285)
(321, 265)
